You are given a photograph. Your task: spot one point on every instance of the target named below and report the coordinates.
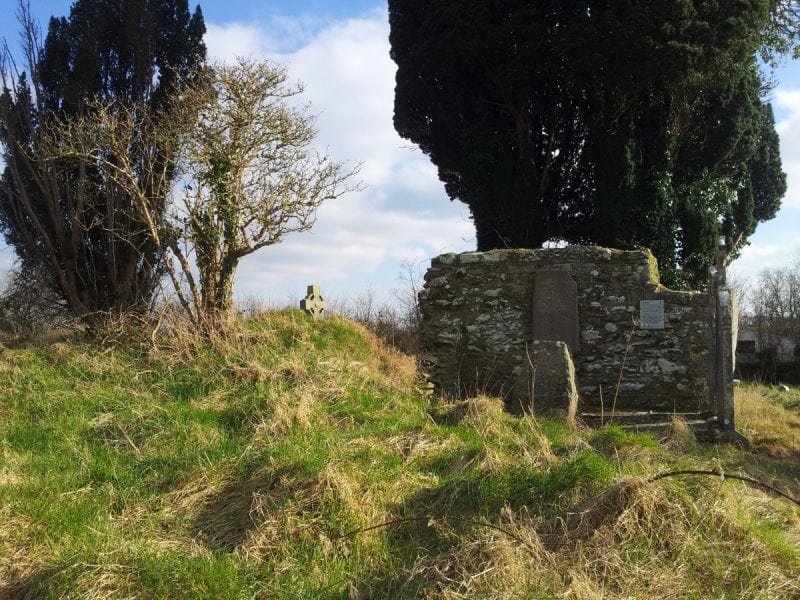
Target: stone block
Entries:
(551, 379)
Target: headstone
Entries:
(314, 304)
(555, 308)
(551, 379)
(651, 314)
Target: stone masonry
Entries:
(480, 313)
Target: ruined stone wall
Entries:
(478, 321)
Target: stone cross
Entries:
(314, 304)
(722, 355)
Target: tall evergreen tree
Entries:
(596, 121)
(61, 216)
(485, 91)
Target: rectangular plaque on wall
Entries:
(651, 314)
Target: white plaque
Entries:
(651, 314)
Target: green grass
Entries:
(789, 400)
(187, 469)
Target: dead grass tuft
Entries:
(293, 409)
(459, 573)
(216, 399)
(535, 447)
(680, 436)
(271, 511)
(412, 445)
(227, 515)
(769, 426)
(18, 559)
(251, 371)
(582, 585)
(291, 371)
(479, 412)
(632, 541)
(397, 370)
(628, 507)
(273, 530)
(11, 462)
(487, 563)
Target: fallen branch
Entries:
(723, 476)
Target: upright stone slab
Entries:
(555, 308)
(551, 380)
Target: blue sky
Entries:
(339, 50)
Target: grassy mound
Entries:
(257, 467)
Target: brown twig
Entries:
(602, 406)
(622, 368)
(533, 377)
(723, 476)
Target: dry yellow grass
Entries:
(770, 426)
(587, 554)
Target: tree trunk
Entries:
(217, 301)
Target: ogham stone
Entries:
(551, 380)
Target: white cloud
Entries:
(787, 101)
(349, 79)
(227, 42)
(792, 168)
(759, 256)
(776, 243)
(352, 245)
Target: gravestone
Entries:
(555, 308)
(314, 304)
(551, 379)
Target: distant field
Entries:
(163, 467)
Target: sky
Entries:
(368, 241)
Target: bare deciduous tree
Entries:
(253, 175)
(247, 173)
(776, 306)
(773, 315)
(28, 306)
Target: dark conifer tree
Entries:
(484, 90)
(60, 216)
(596, 121)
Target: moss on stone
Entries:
(653, 262)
